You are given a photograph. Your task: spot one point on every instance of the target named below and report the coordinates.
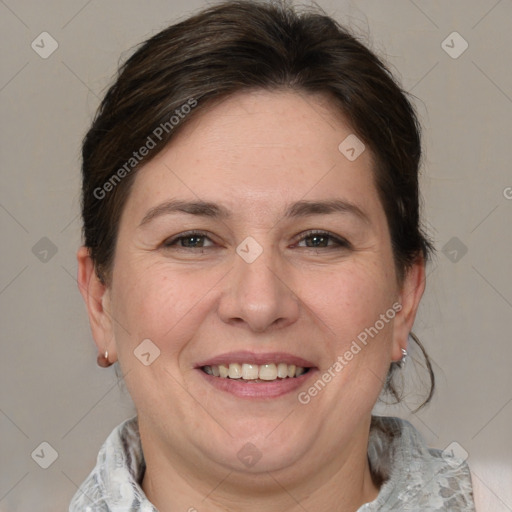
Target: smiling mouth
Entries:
(255, 373)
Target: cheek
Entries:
(164, 305)
(150, 302)
(347, 306)
(350, 300)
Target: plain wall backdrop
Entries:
(51, 389)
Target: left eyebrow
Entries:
(306, 208)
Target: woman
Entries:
(254, 260)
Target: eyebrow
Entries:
(199, 208)
(306, 208)
(213, 210)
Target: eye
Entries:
(189, 240)
(316, 239)
(313, 239)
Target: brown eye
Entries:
(317, 241)
(190, 240)
(322, 239)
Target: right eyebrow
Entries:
(201, 208)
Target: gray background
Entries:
(51, 389)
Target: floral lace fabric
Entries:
(415, 478)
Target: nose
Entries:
(258, 296)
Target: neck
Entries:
(344, 483)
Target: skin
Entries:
(255, 154)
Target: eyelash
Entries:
(339, 243)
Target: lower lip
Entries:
(262, 390)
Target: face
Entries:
(253, 246)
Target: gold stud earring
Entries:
(103, 361)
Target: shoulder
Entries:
(414, 474)
(114, 483)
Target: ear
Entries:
(410, 295)
(96, 295)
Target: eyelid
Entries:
(171, 241)
(339, 241)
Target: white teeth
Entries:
(299, 371)
(268, 371)
(282, 370)
(250, 371)
(255, 372)
(235, 371)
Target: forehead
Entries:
(259, 149)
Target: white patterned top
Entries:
(415, 478)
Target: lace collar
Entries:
(415, 478)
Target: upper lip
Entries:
(248, 357)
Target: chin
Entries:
(261, 446)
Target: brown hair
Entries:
(237, 46)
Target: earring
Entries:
(402, 361)
(103, 361)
